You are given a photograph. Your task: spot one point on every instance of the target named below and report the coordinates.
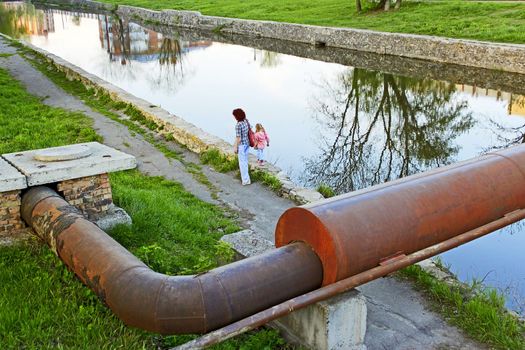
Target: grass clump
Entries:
(478, 311)
(44, 306)
(219, 161)
(325, 190)
(270, 180)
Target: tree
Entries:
(384, 4)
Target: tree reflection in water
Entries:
(269, 59)
(127, 42)
(170, 52)
(505, 135)
(18, 20)
(377, 127)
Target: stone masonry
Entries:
(91, 194)
(10, 219)
(78, 172)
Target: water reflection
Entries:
(268, 59)
(509, 135)
(18, 20)
(126, 42)
(378, 127)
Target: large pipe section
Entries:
(167, 304)
(346, 284)
(358, 231)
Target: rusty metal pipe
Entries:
(350, 234)
(167, 304)
(355, 232)
(344, 285)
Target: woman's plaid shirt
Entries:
(241, 130)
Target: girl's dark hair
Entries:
(239, 114)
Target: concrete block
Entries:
(10, 178)
(337, 323)
(82, 160)
(112, 217)
(247, 243)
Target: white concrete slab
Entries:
(10, 178)
(103, 159)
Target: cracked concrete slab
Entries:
(10, 178)
(56, 164)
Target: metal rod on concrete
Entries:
(326, 292)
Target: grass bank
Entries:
(479, 311)
(42, 305)
(488, 21)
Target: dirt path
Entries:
(398, 316)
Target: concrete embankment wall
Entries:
(506, 57)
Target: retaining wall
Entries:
(507, 57)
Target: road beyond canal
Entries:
(399, 317)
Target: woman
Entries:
(242, 144)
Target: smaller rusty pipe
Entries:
(168, 304)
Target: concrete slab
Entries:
(337, 323)
(248, 243)
(103, 159)
(10, 178)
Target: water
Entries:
(346, 120)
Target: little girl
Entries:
(261, 141)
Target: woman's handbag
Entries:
(251, 136)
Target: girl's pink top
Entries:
(261, 140)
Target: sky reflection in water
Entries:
(346, 127)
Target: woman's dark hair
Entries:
(239, 114)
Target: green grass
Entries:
(219, 161)
(173, 232)
(42, 305)
(489, 21)
(258, 175)
(23, 118)
(223, 164)
(325, 190)
(480, 312)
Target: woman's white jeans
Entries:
(243, 163)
